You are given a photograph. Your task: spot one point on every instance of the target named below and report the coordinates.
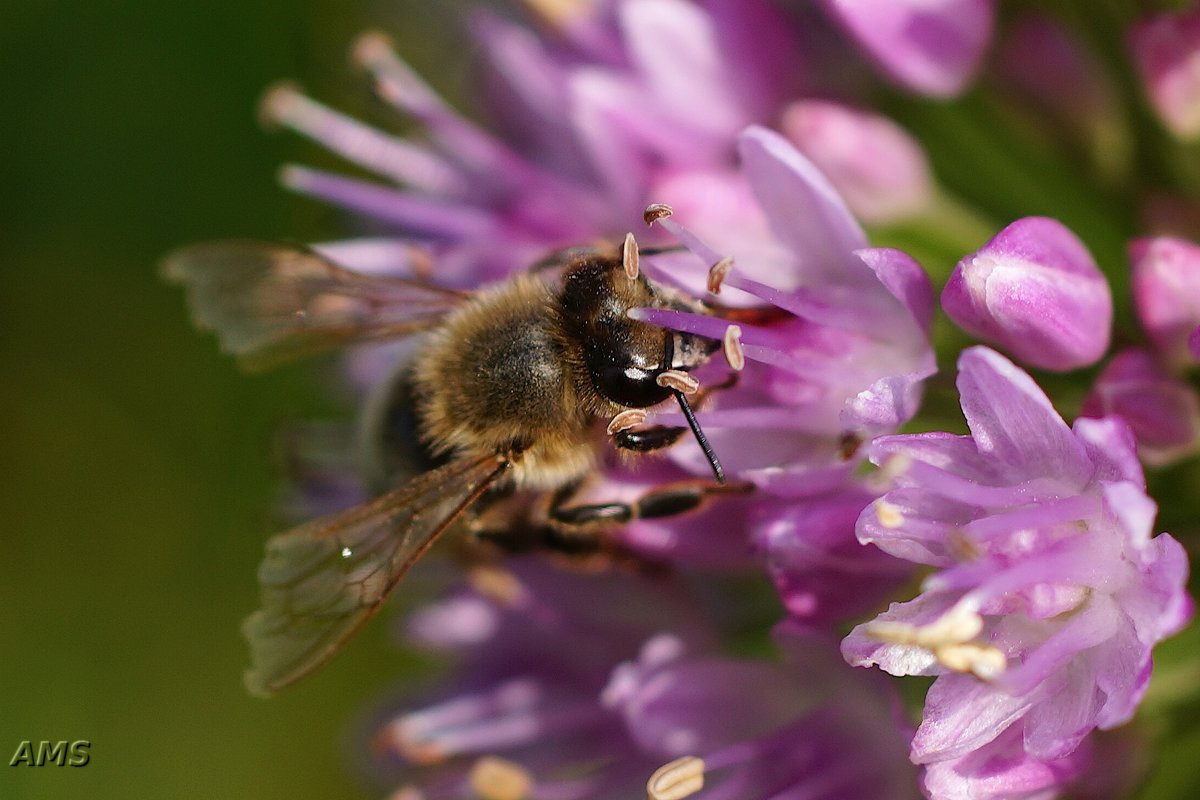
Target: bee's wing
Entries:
(321, 581)
(271, 303)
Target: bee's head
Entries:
(624, 356)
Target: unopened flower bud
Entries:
(1162, 411)
(1034, 290)
(1166, 50)
(877, 166)
(1166, 292)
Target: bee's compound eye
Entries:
(630, 386)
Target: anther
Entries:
(717, 273)
(984, 661)
(849, 443)
(629, 256)
(497, 584)
(676, 780)
(279, 103)
(558, 12)
(732, 344)
(493, 778)
(629, 418)
(408, 744)
(371, 48)
(678, 380)
(950, 639)
(889, 516)
(656, 211)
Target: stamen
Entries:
(399, 159)
(678, 380)
(407, 793)
(656, 211)
(889, 516)
(717, 274)
(949, 640)
(629, 256)
(676, 780)
(893, 467)
(732, 345)
(558, 12)
(961, 547)
(496, 584)
(984, 661)
(849, 443)
(400, 737)
(629, 418)
(472, 147)
(396, 81)
(493, 778)
(413, 211)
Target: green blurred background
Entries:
(137, 468)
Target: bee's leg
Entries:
(646, 440)
(656, 437)
(666, 500)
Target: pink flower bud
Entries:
(1166, 50)
(1034, 290)
(877, 166)
(1163, 412)
(1166, 292)
(930, 46)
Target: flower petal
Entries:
(1012, 419)
(804, 210)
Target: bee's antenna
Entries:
(701, 439)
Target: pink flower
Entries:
(1166, 292)
(1166, 52)
(930, 46)
(1162, 411)
(1051, 590)
(1035, 291)
(804, 728)
(878, 167)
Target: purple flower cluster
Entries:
(751, 145)
(637, 686)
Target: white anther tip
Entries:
(732, 346)
(370, 47)
(493, 778)
(630, 257)
(278, 103)
(676, 780)
(629, 418)
(678, 380)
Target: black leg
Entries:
(658, 437)
(646, 440)
(667, 500)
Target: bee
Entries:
(511, 388)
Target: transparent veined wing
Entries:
(271, 303)
(321, 581)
